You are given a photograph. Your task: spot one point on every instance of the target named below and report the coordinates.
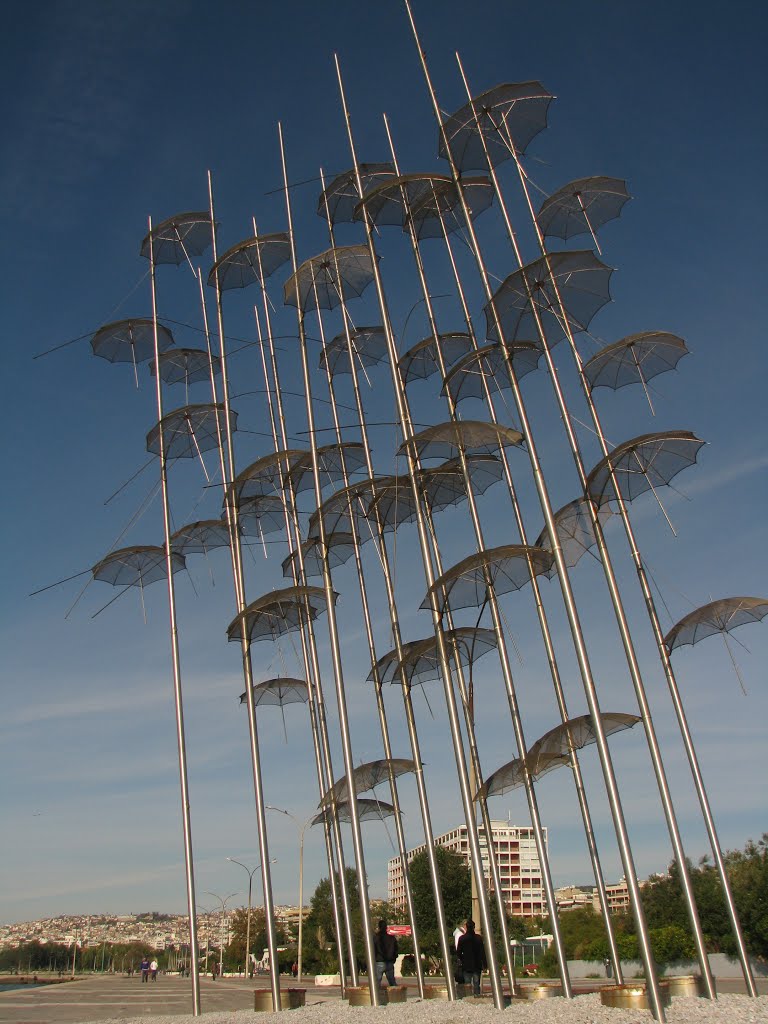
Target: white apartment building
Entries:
(516, 856)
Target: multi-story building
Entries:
(516, 856)
(571, 897)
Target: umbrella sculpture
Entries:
(474, 437)
(582, 206)
(369, 776)
(367, 810)
(338, 201)
(340, 548)
(130, 341)
(190, 431)
(421, 361)
(277, 613)
(250, 261)
(277, 693)
(186, 366)
(721, 617)
(136, 566)
(200, 537)
(509, 117)
(420, 662)
(506, 568)
(178, 238)
(574, 531)
(324, 280)
(638, 357)
(488, 366)
(266, 475)
(368, 344)
(442, 210)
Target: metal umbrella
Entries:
(136, 566)
(251, 261)
(643, 464)
(420, 662)
(474, 437)
(186, 366)
(367, 810)
(512, 775)
(266, 475)
(443, 210)
(340, 548)
(389, 203)
(487, 367)
(338, 201)
(507, 117)
(324, 280)
(278, 612)
(277, 693)
(572, 284)
(130, 341)
(201, 537)
(369, 345)
(261, 514)
(178, 238)
(369, 776)
(638, 357)
(575, 531)
(506, 568)
(346, 510)
(421, 361)
(332, 461)
(190, 431)
(721, 617)
(581, 206)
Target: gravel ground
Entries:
(728, 1009)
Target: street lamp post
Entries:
(223, 903)
(301, 828)
(251, 872)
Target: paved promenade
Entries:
(109, 997)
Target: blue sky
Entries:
(113, 113)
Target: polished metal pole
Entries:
(233, 518)
(176, 660)
(346, 743)
(582, 657)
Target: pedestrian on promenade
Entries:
(153, 970)
(471, 951)
(385, 950)
(145, 969)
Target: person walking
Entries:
(145, 969)
(471, 951)
(385, 950)
(153, 970)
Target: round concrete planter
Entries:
(290, 999)
(435, 992)
(543, 991)
(686, 985)
(632, 997)
(396, 993)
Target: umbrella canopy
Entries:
(508, 117)
(582, 206)
(441, 210)
(340, 547)
(367, 810)
(339, 199)
(266, 475)
(191, 430)
(721, 616)
(421, 361)
(420, 660)
(201, 537)
(390, 202)
(487, 368)
(506, 568)
(634, 359)
(574, 531)
(261, 514)
(324, 281)
(186, 366)
(553, 750)
(251, 261)
(182, 237)
(643, 464)
(278, 612)
(474, 437)
(336, 512)
(278, 692)
(332, 460)
(578, 279)
(368, 344)
(368, 776)
(130, 341)
(136, 566)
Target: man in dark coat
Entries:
(385, 949)
(471, 953)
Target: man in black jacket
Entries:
(385, 948)
(471, 952)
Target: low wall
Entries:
(722, 967)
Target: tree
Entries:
(235, 952)
(456, 884)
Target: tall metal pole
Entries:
(176, 660)
(346, 744)
(302, 829)
(403, 412)
(671, 680)
(546, 636)
(582, 657)
(233, 519)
